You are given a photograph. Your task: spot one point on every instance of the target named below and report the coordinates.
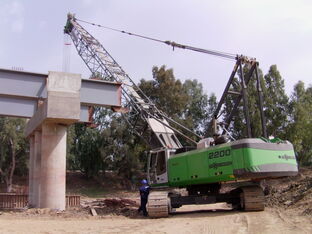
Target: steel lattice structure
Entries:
(140, 107)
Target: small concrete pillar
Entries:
(31, 171)
(37, 169)
(53, 166)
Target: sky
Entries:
(273, 31)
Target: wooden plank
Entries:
(93, 212)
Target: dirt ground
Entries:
(189, 219)
(288, 210)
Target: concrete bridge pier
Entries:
(53, 166)
(48, 130)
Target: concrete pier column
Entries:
(31, 171)
(37, 169)
(53, 166)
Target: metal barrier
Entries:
(13, 201)
(72, 201)
(19, 201)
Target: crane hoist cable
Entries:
(170, 43)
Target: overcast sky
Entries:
(274, 31)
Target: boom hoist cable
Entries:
(103, 65)
(170, 43)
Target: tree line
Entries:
(112, 146)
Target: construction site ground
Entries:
(288, 210)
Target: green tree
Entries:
(195, 112)
(122, 148)
(166, 92)
(86, 150)
(299, 131)
(13, 149)
(276, 103)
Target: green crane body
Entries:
(242, 163)
(247, 159)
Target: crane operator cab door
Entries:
(157, 166)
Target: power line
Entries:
(170, 43)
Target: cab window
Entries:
(161, 163)
(153, 160)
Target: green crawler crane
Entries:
(202, 170)
(243, 163)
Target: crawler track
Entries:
(252, 198)
(158, 204)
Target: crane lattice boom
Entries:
(102, 65)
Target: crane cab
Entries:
(157, 166)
